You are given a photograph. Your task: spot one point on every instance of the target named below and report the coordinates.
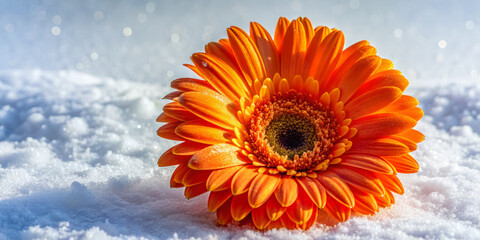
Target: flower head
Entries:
(282, 130)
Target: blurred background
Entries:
(431, 42)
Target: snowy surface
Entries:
(81, 83)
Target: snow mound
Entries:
(78, 160)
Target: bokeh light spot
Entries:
(56, 31)
(398, 33)
(175, 37)
(142, 17)
(57, 20)
(94, 56)
(442, 43)
(469, 25)
(98, 15)
(150, 7)
(127, 32)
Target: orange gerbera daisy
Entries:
(283, 130)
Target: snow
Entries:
(81, 83)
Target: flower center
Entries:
(291, 135)
(290, 131)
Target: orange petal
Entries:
(174, 184)
(357, 75)
(224, 52)
(247, 221)
(280, 31)
(195, 177)
(414, 135)
(262, 187)
(385, 72)
(302, 209)
(383, 201)
(407, 142)
(203, 132)
(274, 209)
(287, 191)
(315, 190)
(310, 222)
(287, 222)
(223, 213)
(412, 146)
(415, 113)
(297, 83)
(381, 125)
(221, 179)
(242, 179)
(332, 47)
(365, 204)
(321, 66)
(403, 103)
(275, 225)
(223, 77)
(347, 59)
(323, 30)
(361, 179)
(180, 172)
(177, 111)
(379, 147)
(391, 183)
(283, 85)
(266, 47)
(336, 188)
(370, 101)
(216, 157)
(178, 175)
(260, 218)
(194, 191)
(293, 50)
(337, 210)
(404, 164)
(163, 117)
(188, 148)
(367, 162)
(351, 50)
(391, 78)
(173, 95)
(168, 131)
(195, 70)
(307, 25)
(312, 86)
(390, 196)
(170, 159)
(385, 66)
(191, 85)
(226, 44)
(217, 199)
(247, 54)
(213, 108)
(240, 207)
